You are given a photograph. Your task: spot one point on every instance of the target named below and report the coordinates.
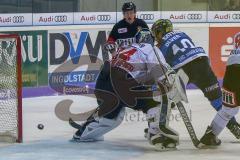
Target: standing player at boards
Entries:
(122, 34)
(182, 55)
(124, 31)
(231, 97)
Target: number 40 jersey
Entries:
(179, 49)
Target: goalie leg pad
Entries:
(159, 133)
(183, 76)
(178, 91)
(165, 111)
(95, 129)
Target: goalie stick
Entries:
(85, 116)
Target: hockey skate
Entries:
(234, 128)
(162, 141)
(209, 139)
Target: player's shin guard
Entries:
(222, 119)
(94, 129)
(218, 124)
(232, 124)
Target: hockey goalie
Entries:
(133, 71)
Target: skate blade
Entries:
(236, 142)
(161, 148)
(203, 146)
(74, 140)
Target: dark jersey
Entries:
(123, 33)
(231, 85)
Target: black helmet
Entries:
(129, 6)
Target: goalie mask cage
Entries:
(10, 89)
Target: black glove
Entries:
(111, 47)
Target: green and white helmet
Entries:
(162, 26)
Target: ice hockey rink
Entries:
(125, 142)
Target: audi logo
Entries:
(62, 18)
(103, 17)
(146, 16)
(236, 16)
(18, 19)
(194, 16)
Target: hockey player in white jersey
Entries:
(139, 63)
(231, 97)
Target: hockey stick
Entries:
(74, 124)
(86, 115)
(62, 111)
(188, 124)
(183, 112)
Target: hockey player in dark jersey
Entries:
(124, 31)
(231, 97)
(182, 55)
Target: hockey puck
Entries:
(40, 126)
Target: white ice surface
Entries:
(126, 142)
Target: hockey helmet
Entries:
(144, 36)
(128, 6)
(162, 26)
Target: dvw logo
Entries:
(63, 45)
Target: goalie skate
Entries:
(162, 143)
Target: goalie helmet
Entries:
(144, 36)
(128, 6)
(162, 26)
(237, 41)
